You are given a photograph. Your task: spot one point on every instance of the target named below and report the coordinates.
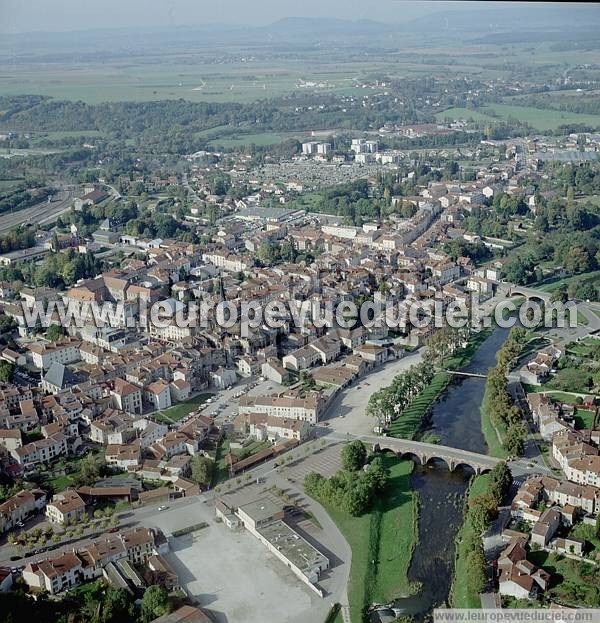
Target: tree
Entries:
(500, 481)
(155, 603)
(202, 469)
(354, 455)
(481, 509)
(515, 438)
(477, 578)
(7, 370)
(90, 470)
(117, 606)
(54, 333)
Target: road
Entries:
(40, 213)
(191, 192)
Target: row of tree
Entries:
(481, 509)
(498, 401)
(389, 403)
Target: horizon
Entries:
(69, 16)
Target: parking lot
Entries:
(232, 575)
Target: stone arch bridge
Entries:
(424, 453)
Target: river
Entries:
(456, 420)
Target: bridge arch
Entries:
(528, 294)
(436, 461)
(467, 468)
(412, 456)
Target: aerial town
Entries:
(232, 384)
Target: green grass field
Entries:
(492, 440)
(261, 139)
(184, 76)
(408, 425)
(179, 411)
(571, 583)
(540, 119)
(382, 542)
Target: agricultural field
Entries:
(540, 119)
(137, 80)
(261, 139)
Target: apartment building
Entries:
(45, 354)
(41, 451)
(309, 408)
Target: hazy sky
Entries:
(63, 15)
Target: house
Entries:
(158, 394)
(222, 378)
(186, 487)
(10, 439)
(124, 456)
(264, 427)
(59, 377)
(547, 415)
(127, 397)
(328, 348)
(66, 570)
(588, 402)
(65, 507)
(6, 579)
(185, 614)
(20, 507)
(180, 390)
(112, 428)
(372, 353)
(290, 405)
(92, 495)
(44, 354)
(273, 370)
(546, 527)
(41, 450)
(54, 575)
(536, 371)
(517, 576)
(301, 359)
(164, 575)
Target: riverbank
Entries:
(493, 436)
(461, 596)
(411, 423)
(382, 542)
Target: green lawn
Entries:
(570, 379)
(587, 533)
(382, 542)
(493, 442)
(461, 596)
(408, 425)
(462, 113)
(552, 285)
(573, 582)
(179, 411)
(221, 471)
(584, 418)
(541, 119)
(262, 139)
